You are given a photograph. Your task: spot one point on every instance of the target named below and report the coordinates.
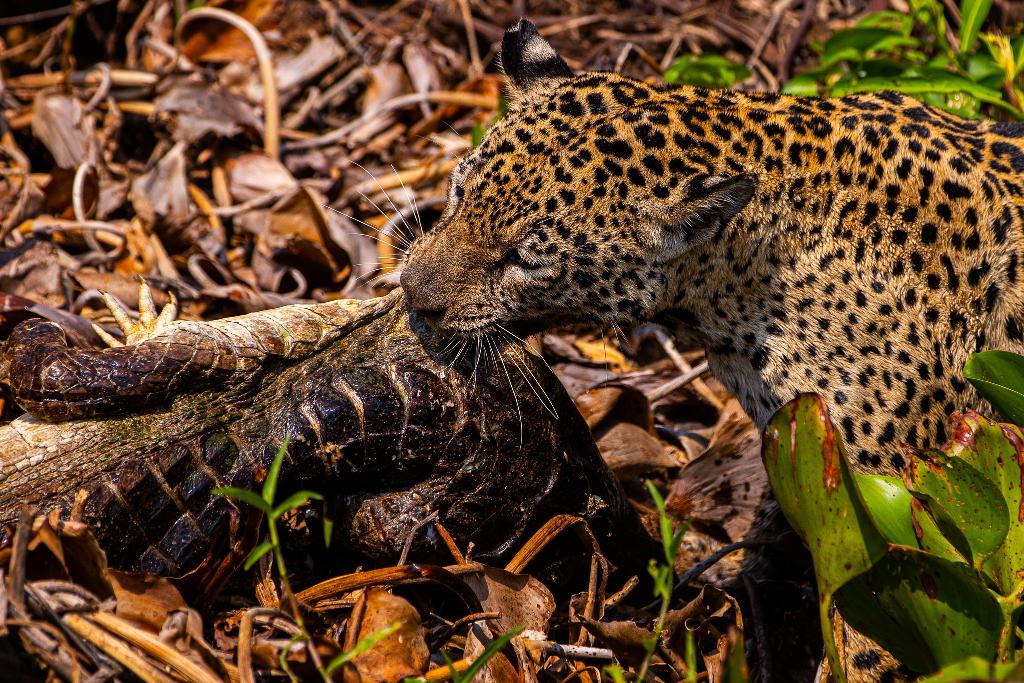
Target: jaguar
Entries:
(860, 248)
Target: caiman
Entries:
(380, 418)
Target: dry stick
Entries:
(677, 383)
(154, 647)
(412, 535)
(464, 99)
(443, 673)
(245, 673)
(769, 31)
(703, 389)
(474, 49)
(271, 108)
(116, 649)
(795, 40)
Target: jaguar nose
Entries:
(432, 315)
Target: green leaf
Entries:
(615, 673)
(807, 469)
(706, 70)
(997, 451)
(930, 537)
(927, 610)
(802, 85)
(256, 553)
(270, 485)
(244, 495)
(365, 644)
(927, 81)
(809, 475)
(999, 377)
(888, 502)
(975, 669)
(966, 505)
(856, 44)
(297, 499)
(972, 16)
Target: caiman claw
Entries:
(150, 323)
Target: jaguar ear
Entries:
(706, 207)
(529, 63)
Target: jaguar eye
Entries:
(514, 258)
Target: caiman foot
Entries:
(150, 323)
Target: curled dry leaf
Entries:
(199, 109)
(721, 490)
(519, 600)
(32, 269)
(144, 600)
(387, 81)
(292, 70)
(215, 41)
(60, 123)
(402, 653)
(622, 422)
(252, 174)
(160, 196)
(419, 64)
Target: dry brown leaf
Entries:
(143, 599)
(252, 174)
(161, 195)
(631, 451)
(400, 654)
(293, 69)
(215, 41)
(60, 123)
(422, 71)
(199, 109)
(520, 600)
(67, 550)
(386, 81)
(32, 270)
(720, 491)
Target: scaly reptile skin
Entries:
(379, 425)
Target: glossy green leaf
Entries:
(807, 469)
(999, 377)
(930, 536)
(706, 70)
(975, 669)
(888, 501)
(964, 502)
(894, 21)
(927, 610)
(972, 16)
(855, 44)
(802, 85)
(929, 81)
(997, 451)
